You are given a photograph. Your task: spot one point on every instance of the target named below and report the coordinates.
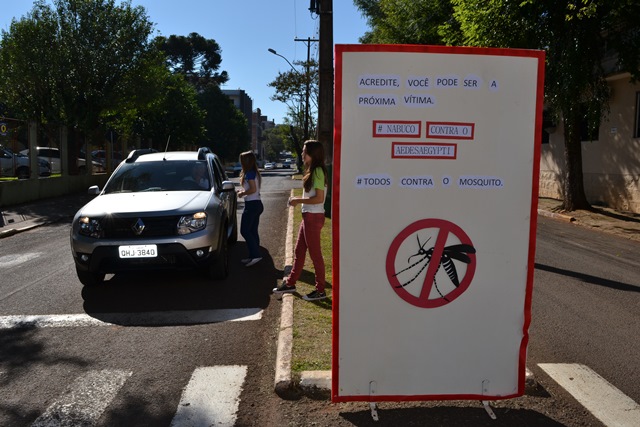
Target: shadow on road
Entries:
(159, 291)
(600, 281)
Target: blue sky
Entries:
(244, 29)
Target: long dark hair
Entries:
(315, 150)
(249, 163)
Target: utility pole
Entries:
(307, 79)
(325, 95)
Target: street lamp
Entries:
(277, 54)
(306, 103)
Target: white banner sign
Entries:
(434, 211)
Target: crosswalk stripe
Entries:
(85, 401)
(601, 398)
(211, 398)
(151, 318)
(7, 261)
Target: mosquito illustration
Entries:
(449, 253)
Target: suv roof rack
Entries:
(133, 156)
(203, 151)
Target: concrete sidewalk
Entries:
(18, 218)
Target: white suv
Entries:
(17, 165)
(157, 212)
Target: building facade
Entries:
(244, 103)
(260, 124)
(611, 163)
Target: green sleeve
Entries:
(318, 178)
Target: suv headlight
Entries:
(192, 223)
(90, 227)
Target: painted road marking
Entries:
(8, 261)
(212, 397)
(85, 401)
(601, 398)
(151, 318)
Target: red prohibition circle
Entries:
(444, 228)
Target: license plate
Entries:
(138, 251)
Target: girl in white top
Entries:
(312, 200)
(250, 180)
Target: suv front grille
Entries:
(119, 228)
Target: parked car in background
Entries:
(18, 165)
(234, 169)
(269, 165)
(154, 214)
(52, 155)
(100, 156)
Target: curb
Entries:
(27, 225)
(555, 215)
(283, 383)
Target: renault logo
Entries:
(138, 227)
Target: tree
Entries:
(290, 88)
(28, 79)
(404, 22)
(174, 113)
(577, 37)
(195, 57)
(276, 139)
(197, 60)
(76, 62)
(227, 132)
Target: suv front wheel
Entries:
(219, 267)
(88, 278)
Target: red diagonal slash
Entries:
(430, 278)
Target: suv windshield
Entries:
(177, 175)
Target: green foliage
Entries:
(405, 22)
(27, 53)
(174, 112)
(91, 65)
(276, 140)
(75, 61)
(195, 57)
(291, 89)
(578, 36)
(227, 132)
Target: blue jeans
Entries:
(249, 226)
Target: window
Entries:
(636, 126)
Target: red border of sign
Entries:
(394, 144)
(335, 206)
(473, 130)
(395, 135)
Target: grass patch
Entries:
(312, 319)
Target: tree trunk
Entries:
(573, 186)
(298, 146)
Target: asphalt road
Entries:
(141, 359)
(139, 342)
(586, 302)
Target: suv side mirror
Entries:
(228, 186)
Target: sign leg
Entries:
(487, 408)
(374, 411)
(372, 405)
